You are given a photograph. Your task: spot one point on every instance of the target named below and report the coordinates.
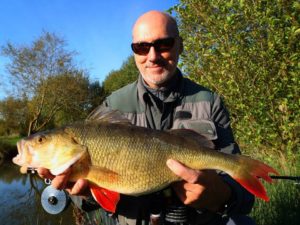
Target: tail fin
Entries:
(248, 176)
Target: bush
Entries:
(248, 51)
(119, 78)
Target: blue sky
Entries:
(99, 30)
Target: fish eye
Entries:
(41, 138)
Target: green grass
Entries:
(10, 140)
(283, 208)
(284, 204)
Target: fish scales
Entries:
(138, 156)
(131, 154)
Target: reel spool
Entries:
(54, 201)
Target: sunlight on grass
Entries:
(284, 204)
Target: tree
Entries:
(60, 100)
(13, 114)
(248, 51)
(45, 74)
(119, 78)
(96, 95)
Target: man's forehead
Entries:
(154, 25)
(150, 32)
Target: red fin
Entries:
(106, 198)
(249, 178)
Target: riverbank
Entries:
(8, 148)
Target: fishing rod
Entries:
(294, 178)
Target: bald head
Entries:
(157, 63)
(154, 20)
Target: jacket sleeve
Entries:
(242, 201)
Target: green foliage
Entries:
(13, 114)
(66, 96)
(11, 140)
(119, 78)
(53, 91)
(96, 96)
(248, 51)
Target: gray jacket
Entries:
(184, 104)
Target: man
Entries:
(162, 99)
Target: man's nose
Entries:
(153, 55)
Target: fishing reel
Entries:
(53, 201)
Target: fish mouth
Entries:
(18, 158)
(23, 155)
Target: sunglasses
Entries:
(160, 45)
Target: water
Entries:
(20, 200)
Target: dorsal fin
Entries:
(193, 136)
(111, 116)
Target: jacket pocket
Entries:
(202, 126)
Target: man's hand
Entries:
(199, 189)
(80, 187)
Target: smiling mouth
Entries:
(155, 67)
